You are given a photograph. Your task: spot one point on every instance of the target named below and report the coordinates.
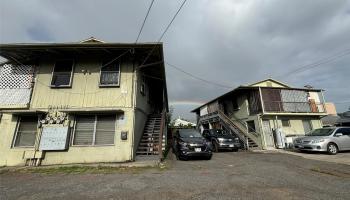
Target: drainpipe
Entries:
(134, 89)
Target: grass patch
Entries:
(80, 170)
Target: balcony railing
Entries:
(293, 107)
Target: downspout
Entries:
(134, 89)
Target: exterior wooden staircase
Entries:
(249, 139)
(153, 137)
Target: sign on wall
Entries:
(54, 138)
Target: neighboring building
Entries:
(180, 123)
(255, 112)
(332, 117)
(330, 108)
(81, 102)
(344, 119)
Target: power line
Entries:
(196, 77)
(317, 63)
(144, 21)
(165, 30)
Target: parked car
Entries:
(189, 143)
(221, 139)
(330, 139)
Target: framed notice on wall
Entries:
(54, 138)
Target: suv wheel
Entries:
(215, 146)
(332, 148)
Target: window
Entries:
(62, 74)
(251, 126)
(26, 131)
(109, 75)
(344, 131)
(94, 130)
(285, 123)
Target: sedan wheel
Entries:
(332, 149)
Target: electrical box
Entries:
(124, 135)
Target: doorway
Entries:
(268, 134)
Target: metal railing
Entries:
(162, 127)
(293, 107)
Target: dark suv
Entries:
(189, 143)
(221, 139)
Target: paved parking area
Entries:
(341, 158)
(229, 175)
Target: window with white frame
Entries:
(110, 74)
(62, 73)
(94, 130)
(26, 131)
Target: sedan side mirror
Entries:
(338, 134)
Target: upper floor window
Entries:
(26, 131)
(110, 74)
(62, 74)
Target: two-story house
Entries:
(256, 112)
(84, 102)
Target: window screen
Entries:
(84, 130)
(26, 131)
(110, 74)
(94, 130)
(62, 73)
(105, 129)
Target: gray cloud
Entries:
(229, 42)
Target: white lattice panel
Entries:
(13, 76)
(15, 84)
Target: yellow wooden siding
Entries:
(85, 91)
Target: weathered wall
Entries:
(269, 84)
(85, 90)
(296, 124)
(243, 111)
(121, 151)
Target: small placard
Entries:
(54, 138)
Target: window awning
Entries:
(92, 110)
(23, 111)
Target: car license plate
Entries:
(231, 145)
(197, 149)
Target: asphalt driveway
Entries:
(229, 175)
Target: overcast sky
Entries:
(231, 42)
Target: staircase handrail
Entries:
(227, 120)
(161, 133)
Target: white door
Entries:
(268, 134)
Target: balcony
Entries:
(293, 107)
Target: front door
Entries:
(268, 134)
